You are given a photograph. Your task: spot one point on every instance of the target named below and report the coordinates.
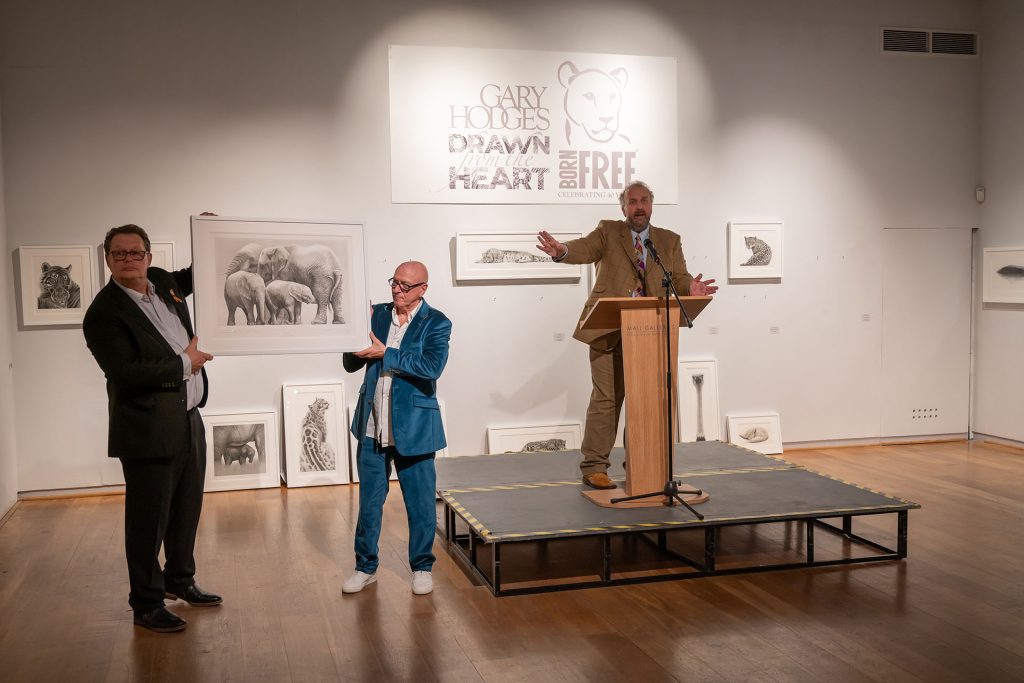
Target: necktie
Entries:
(641, 267)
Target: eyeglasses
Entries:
(404, 286)
(124, 255)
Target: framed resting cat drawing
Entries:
(755, 251)
(761, 433)
(315, 439)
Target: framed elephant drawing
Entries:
(242, 451)
(279, 286)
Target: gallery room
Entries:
(847, 401)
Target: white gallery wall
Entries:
(999, 366)
(8, 461)
(146, 113)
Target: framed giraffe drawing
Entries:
(315, 435)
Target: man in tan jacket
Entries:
(624, 269)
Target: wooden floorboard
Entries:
(953, 611)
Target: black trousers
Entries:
(162, 503)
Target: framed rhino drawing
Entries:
(242, 451)
(279, 286)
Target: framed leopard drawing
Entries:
(57, 284)
(755, 251)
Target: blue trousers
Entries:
(418, 479)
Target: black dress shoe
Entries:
(160, 620)
(194, 596)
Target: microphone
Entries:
(651, 250)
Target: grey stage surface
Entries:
(518, 498)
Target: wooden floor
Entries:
(953, 611)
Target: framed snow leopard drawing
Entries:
(315, 435)
(57, 284)
(755, 251)
(510, 256)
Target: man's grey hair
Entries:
(625, 191)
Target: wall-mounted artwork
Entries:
(354, 444)
(163, 257)
(57, 284)
(761, 433)
(242, 451)
(1003, 275)
(509, 256)
(278, 286)
(755, 251)
(315, 439)
(699, 418)
(540, 439)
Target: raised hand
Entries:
(702, 288)
(549, 245)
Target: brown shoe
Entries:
(599, 480)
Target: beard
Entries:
(637, 222)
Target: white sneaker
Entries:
(358, 582)
(422, 583)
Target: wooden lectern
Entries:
(641, 320)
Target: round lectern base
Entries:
(603, 497)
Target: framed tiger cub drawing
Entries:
(57, 284)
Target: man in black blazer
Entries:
(139, 330)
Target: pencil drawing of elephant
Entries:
(284, 301)
(246, 291)
(245, 259)
(313, 265)
(231, 441)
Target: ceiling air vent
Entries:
(923, 41)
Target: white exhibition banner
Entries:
(479, 126)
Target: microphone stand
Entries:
(671, 491)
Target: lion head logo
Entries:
(592, 101)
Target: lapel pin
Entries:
(175, 297)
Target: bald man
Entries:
(398, 422)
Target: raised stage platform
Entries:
(520, 524)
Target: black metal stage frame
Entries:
(493, 501)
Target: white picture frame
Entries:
(481, 256)
(697, 401)
(743, 263)
(761, 433)
(533, 439)
(38, 307)
(233, 461)
(1002, 275)
(315, 447)
(224, 247)
(163, 257)
(354, 443)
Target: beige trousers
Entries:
(604, 409)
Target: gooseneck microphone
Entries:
(651, 250)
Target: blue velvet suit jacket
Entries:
(416, 365)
